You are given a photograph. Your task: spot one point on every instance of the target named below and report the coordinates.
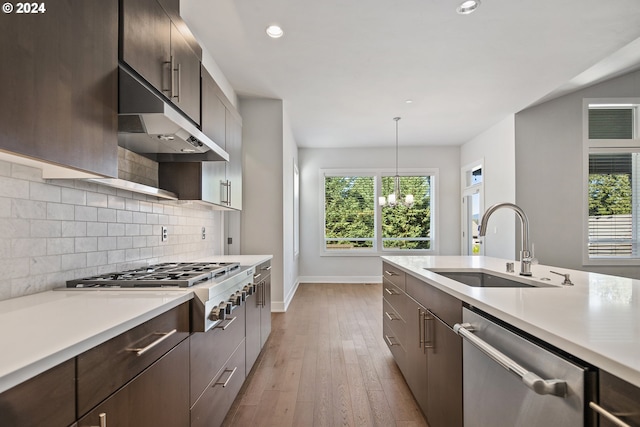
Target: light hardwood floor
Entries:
(326, 364)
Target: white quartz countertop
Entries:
(597, 319)
(43, 330)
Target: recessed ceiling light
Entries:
(409, 101)
(468, 7)
(274, 31)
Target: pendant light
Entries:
(393, 199)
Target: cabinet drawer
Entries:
(394, 296)
(443, 305)
(394, 275)
(47, 399)
(394, 322)
(159, 396)
(262, 271)
(394, 345)
(212, 407)
(619, 398)
(210, 350)
(107, 367)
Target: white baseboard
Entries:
(281, 306)
(340, 279)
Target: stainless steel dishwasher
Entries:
(512, 381)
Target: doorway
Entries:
(472, 208)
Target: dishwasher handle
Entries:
(530, 379)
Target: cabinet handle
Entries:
(391, 273)
(391, 316)
(420, 328)
(256, 276)
(388, 338)
(391, 291)
(143, 350)
(266, 268)
(227, 185)
(264, 296)
(102, 417)
(608, 415)
(170, 64)
(428, 339)
(225, 383)
(231, 319)
(179, 91)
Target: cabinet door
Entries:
(146, 42)
(444, 365)
(619, 398)
(416, 349)
(253, 343)
(60, 87)
(234, 166)
(213, 110)
(47, 399)
(185, 75)
(265, 313)
(157, 397)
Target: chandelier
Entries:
(393, 199)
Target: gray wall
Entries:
(549, 162)
(53, 231)
(269, 152)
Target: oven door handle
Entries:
(555, 387)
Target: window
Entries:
(612, 182)
(354, 222)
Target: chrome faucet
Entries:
(525, 253)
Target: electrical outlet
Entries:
(165, 234)
(204, 233)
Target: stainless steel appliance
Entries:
(512, 381)
(219, 287)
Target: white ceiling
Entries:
(345, 68)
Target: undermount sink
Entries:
(481, 279)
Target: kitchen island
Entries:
(597, 319)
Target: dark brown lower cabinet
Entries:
(430, 357)
(159, 396)
(47, 399)
(619, 402)
(213, 405)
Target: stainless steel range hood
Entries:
(149, 125)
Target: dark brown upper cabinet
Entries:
(59, 102)
(162, 52)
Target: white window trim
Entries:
(605, 146)
(377, 243)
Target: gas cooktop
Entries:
(168, 274)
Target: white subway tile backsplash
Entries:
(60, 245)
(38, 191)
(62, 212)
(73, 196)
(107, 243)
(107, 215)
(56, 230)
(29, 209)
(86, 244)
(97, 200)
(86, 213)
(74, 229)
(45, 264)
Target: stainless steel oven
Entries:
(510, 380)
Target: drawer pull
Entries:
(230, 319)
(391, 291)
(391, 316)
(165, 335)
(255, 276)
(225, 383)
(266, 268)
(391, 273)
(608, 415)
(388, 338)
(103, 420)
